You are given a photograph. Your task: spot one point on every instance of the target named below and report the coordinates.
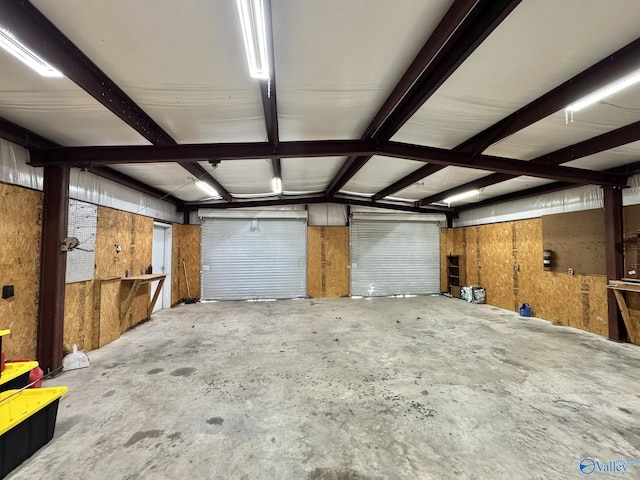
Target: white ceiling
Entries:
(336, 62)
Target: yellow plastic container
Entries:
(27, 422)
(16, 375)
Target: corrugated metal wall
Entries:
(254, 258)
(391, 257)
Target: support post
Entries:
(53, 264)
(614, 238)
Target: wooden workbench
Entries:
(620, 287)
(134, 283)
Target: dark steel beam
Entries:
(410, 179)
(92, 156)
(269, 95)
(438, 44)
(476, 27)
(614, 238)
(23, 137)
(127, 181)
(609, 69)
(199, 172)
(311, 199)
(502, 165)
(87, 156)
(36, 31)
(53, 264)
(507, 197)
(615, 138)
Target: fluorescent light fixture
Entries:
(27, 56)
(604, 92)
(461, 196)
(254, 32)
(205, 187)
(276, 185)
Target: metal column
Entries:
(53, 264)
(614, 238)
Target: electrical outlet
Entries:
(570, 271)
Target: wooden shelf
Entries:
(455, 274)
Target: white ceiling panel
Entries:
(169, 177)
(554, 132)
(309, 175)
(243, 177)
(380, 172)
(58, 109)
(443, 180)
(182, 62)
(503, 188)
(336, 61)
(540, 45)
(615, 157)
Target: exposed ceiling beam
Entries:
(127, 181)
(199, 173)
(602, 73)
(629, 169)
(530, 192)
(501, 165)
(268, 93)
(465, 26)
(22, 136)
(93, 156)
(311, 199)
(194, 152)
(615, 138)
(435, 43)
(26, 138)
(608, 70)
(410, 179)
(35, 30)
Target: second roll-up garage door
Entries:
(254, 255)
(394, 255)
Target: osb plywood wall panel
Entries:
(109, 327)
(496, 263)
(185, 247)
(575, 300)
(327, 262)
(576, 240)
(20, 229)
(78, 315)
(134, 235)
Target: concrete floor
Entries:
(418, 388)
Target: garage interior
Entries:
(263, 250)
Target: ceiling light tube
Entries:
(276, 185)
(205, 187)
(461, 196)
(604, 92)
(254, 32)
(27, 56)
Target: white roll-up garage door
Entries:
(254, 255)
(394, 256)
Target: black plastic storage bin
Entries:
(27, 423)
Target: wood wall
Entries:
(92, 308)
(506, 259)
(327, 262)
(20, 230)
(185, 247)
